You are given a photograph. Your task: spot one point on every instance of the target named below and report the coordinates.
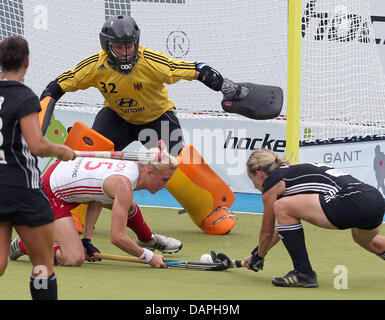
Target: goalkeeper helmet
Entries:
(120, 31)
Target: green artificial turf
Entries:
(116, 280)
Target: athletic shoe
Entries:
(14, 250)
(297, 279)
(161, 243)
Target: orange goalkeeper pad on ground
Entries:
(83, 138)
(202, 193)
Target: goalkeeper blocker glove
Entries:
(89, 248)
(232, 90)
(256, 261)
(214, 80)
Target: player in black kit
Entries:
(323, 196)
(23, 204)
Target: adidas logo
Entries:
(102, 67)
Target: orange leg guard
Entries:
(202, 193)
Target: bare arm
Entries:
(275, 239)
(266, 232)
(93, 211)
(120, 189)
(39, 145)
(268, 235)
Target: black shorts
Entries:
(24, 207)
(122, 133)
(355, 206)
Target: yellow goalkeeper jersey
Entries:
(138, 97)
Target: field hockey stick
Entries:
(223, 258)
(132, 156)
(169, 263)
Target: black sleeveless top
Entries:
(18, 166)
(308, 178)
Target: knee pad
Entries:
(83, 138)
(202, 193)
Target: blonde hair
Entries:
(265, 160)
(160, 160)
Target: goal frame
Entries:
(293, 80)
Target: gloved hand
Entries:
(90, 249)
(221, 258)
(232, 90)
(256, 261)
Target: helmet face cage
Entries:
(123, 66)
(122, 51)
(120, 29)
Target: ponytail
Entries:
(265, 160)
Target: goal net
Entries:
(342, 79)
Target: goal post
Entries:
(293, 80)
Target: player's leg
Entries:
(370, 240)
(5, 240)
(121, 133)
(145, 237)
(369, 209)
(39, 242)
(289, 212)
(9, 206)
(114, 128)
(136, 223)
(166, 128)
(69, 250)
(33, 219)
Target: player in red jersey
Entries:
(110, 183)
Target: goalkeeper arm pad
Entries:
(209, 76)
(52, 90)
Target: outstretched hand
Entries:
(255, 262)
(157, 261)
(89, 250)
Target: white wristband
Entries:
(146, 256)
